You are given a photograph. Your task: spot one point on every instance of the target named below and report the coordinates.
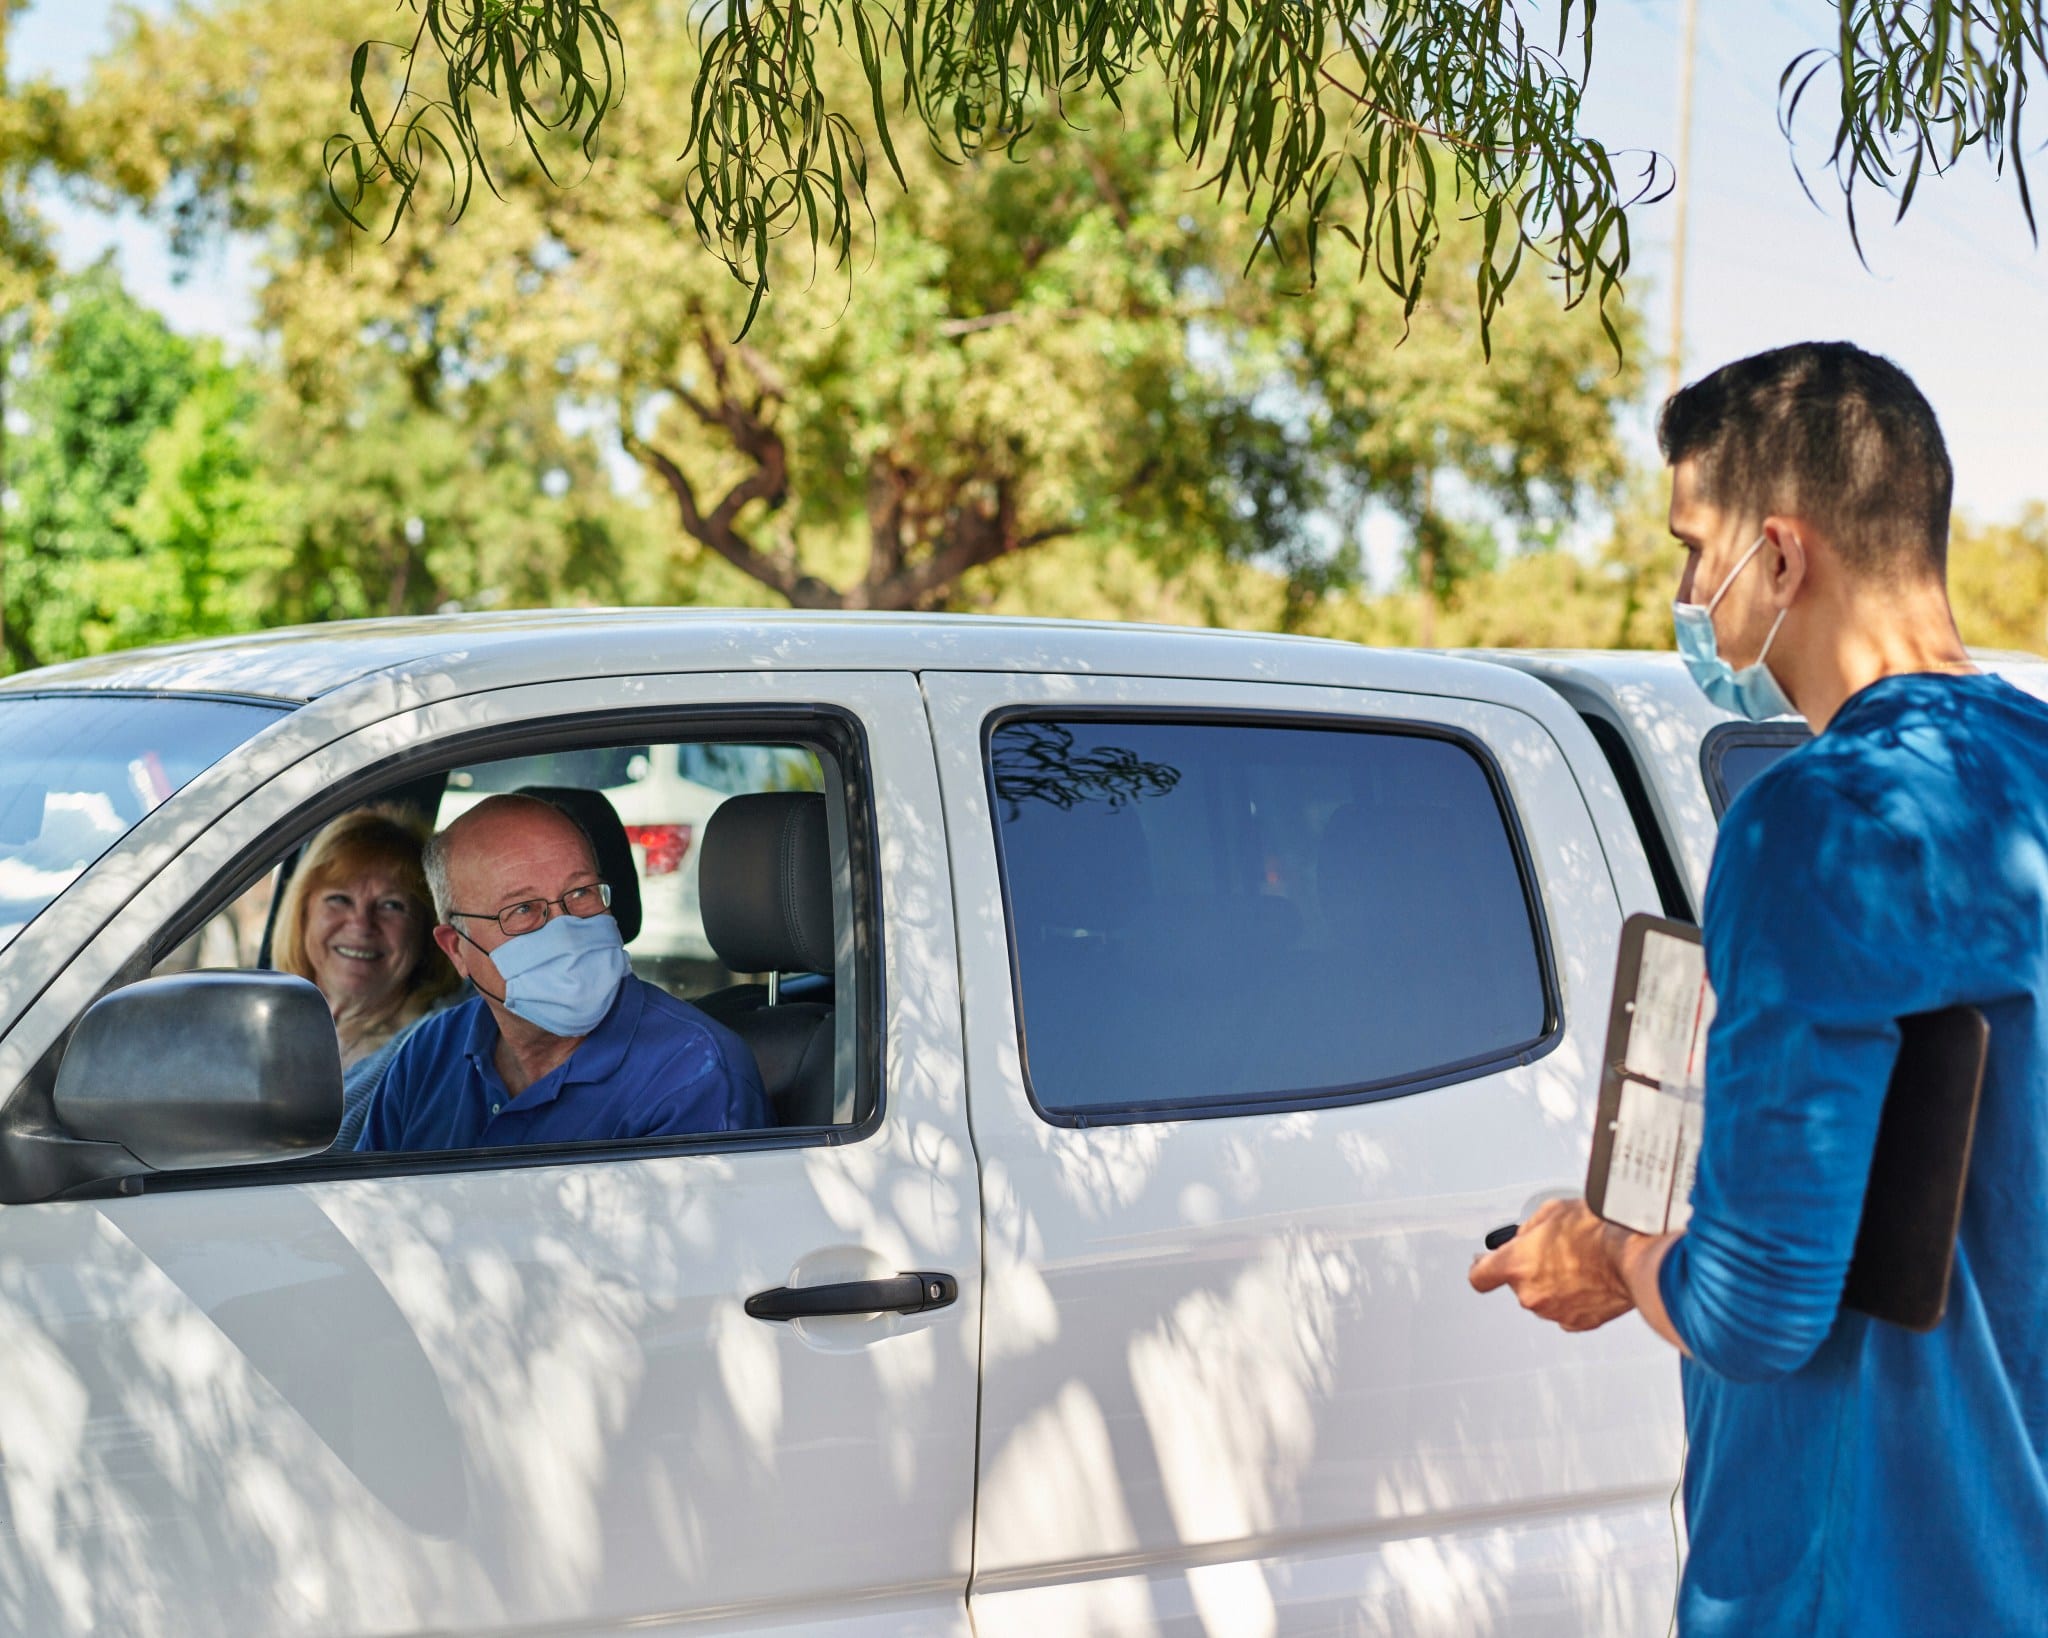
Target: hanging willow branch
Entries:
(1321, 123)
(1363, 120)
(1919, 85)
(555, 65)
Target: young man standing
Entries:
(1845, 1476)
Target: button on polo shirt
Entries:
(654, 1067)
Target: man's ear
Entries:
(450, 942)
(1787, 562)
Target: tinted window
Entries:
(1671, 896)
(734, 769)
(1735, 754)
(1213, 913)
(1742, 763)
(78, 773)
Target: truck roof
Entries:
(423, 657)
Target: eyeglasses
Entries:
(529, 915)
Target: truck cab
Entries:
(1174, 1013)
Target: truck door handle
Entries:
(899, 1294)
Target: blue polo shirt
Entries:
(655, 1067)
(1848, 1477)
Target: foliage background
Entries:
(478, 417)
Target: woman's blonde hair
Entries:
(373, 838)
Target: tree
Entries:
(1038, 354)
(99, 384)
(33, 138)
(406, 470)
(205, 522)
(34, 141)
(1377, 124)
(1998, 581)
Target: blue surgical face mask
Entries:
(1751, 692)
(563, 976)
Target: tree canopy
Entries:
(1039, 353)
(1063, 350)
(1376, 125)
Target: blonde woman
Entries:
(357, 920)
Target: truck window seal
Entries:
(1621, 762)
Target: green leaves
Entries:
(1919, 84)
(1317, 117)
(1372, 123)
(554, 66)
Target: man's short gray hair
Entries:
(434, 861)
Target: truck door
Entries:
(1276, 999)
(525, 1390)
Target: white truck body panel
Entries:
(1234, 1381)
(511, 1398)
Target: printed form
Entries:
(1658, 1121)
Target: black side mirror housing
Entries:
(205, 1069)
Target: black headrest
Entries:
(764, 883)
(599, 820)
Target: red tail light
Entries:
(666, 846)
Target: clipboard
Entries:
(1652, 1078)
(1652, 1108)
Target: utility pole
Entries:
(1683, 189)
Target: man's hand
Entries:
(1561, 1267)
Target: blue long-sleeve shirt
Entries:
(1847, 1476)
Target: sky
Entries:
(1957, 294)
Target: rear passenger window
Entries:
(1211, 914)
(1734, 753)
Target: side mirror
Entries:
(205, 1069)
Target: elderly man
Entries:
(561, 1042)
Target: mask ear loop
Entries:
(1772, 638)
(1715, 602)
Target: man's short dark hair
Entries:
(1825, 430)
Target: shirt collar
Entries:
(603, 1050)
(483, 1035)
(596, 1058)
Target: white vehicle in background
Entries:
(1156, 1021)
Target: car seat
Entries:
(765, 891)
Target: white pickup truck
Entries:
(1155, 1022)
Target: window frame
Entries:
(1619, 753)
(1723, 737)
(835, 733)
(1149, 1111)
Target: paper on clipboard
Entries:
(1652, 1096)
(1656, 1151)
(1646, 1141)
(1667, 1036)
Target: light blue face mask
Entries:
(564, 976)
(1751, 692)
